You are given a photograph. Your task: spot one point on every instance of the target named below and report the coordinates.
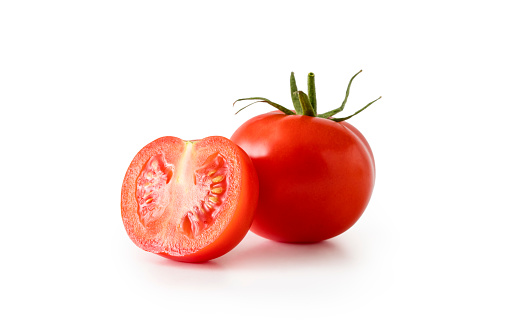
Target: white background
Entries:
(85, 84)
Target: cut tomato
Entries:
(190, 201)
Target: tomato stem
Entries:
(262, 99)
(341, 108)
(348, 117)
(306, 106)
(311, 91)
(293, 94)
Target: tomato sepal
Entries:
(307, 104)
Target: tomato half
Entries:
(316, 176)
(189, 201)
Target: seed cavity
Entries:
(210, 179)
(151, 184)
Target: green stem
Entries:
(341, 108)
(311, 91)
(293, 94)
(306, 106)
(348, 117)
(261, 99)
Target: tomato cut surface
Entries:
(189, 200)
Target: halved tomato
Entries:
(189, 201)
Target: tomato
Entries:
(316, 174)
(190, 201)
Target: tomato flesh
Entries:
(189, 200)
(151, 184)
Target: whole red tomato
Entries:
(316, 172)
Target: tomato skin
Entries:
(162, 235)
(316, 176)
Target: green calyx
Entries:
(307, 104)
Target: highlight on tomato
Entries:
(316, 171)
(190, 201)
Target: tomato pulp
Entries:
(189, 201)
(316, 176)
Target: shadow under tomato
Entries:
(206, 265)
(257, 252)
(190, 276)
(260, 252)
(254, 255)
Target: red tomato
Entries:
(316, 174)
(189, 201)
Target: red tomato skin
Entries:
(238, 221)
(316, 176)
